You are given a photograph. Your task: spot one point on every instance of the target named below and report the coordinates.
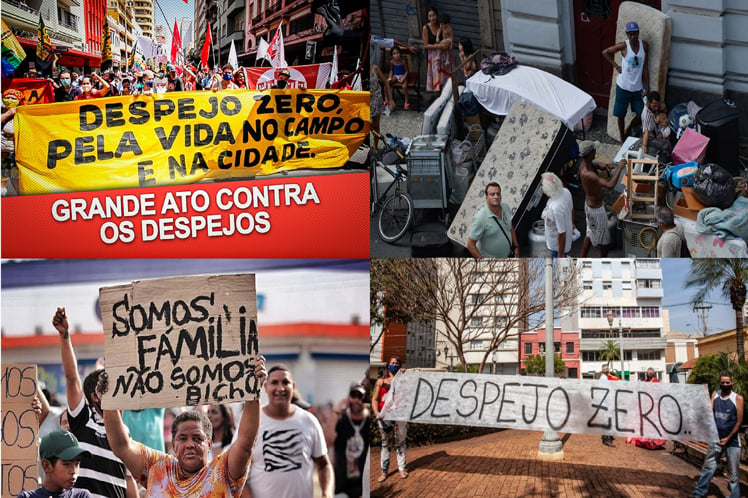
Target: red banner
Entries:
(305, 77)
(35, 90)
(301, 217)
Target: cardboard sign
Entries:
(20, 431)
(180, 341)
(637, 409)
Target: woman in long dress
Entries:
(434, 52)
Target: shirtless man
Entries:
(594, 211)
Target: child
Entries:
(466, 48)
(663, 126)
(61, 460)
(399, 73)
(445, 37)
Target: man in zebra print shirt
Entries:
(290, 445)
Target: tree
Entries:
(610, 351)
(535, 364)
(489, 300)
(729, 275)
(392, 296)
(707, 370)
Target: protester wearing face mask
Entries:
(65, 91)
(727, 408)
(87, 88)
(393, 434)
(144, 84)
(225, 79)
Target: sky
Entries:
(174, 9)
(677, 300)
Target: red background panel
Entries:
(336, 227)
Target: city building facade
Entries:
(566, 344)
(621, 297)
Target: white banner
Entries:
(637, 409)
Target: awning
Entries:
(77, 58)
(689, 364)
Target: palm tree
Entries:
(609, 351)
(729, 275)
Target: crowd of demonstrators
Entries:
(273, 451)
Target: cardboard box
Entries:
(681, 209)
(691, 201)
(638, 187)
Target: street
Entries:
(505, 463)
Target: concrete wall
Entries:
(709, 54)
(541, 34)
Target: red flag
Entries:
(176, 48)
(206, 49)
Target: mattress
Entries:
(529, 143)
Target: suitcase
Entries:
(719, 122)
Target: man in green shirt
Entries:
(491, 233)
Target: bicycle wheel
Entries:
(395, 217)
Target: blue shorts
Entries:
(624, 98)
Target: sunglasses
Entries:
(636, 60)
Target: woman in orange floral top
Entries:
(189, 473)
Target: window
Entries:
(591, 312)
(647, 355)
(476, 345)
(590, 356)
(499, 321)
(569, 348)
(528, 348)
(648, 283)
(476, 321)
(612, 309)
(630, 312)
(648, 263)
(607, 284)
(650, 312)
(586, 264)
(587, 285)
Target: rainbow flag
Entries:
(12, 51)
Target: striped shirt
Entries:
(103, 474)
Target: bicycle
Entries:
(395, 210)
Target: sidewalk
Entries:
(505, 464)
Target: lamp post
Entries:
(610, 316)
(494, 354)
(451, 357)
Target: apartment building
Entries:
(620, 298)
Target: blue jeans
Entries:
(710, 466)
(554, 254)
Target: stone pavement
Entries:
(505, 464)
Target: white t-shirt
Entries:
(282, 458)
(557, 217)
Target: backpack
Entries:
(497, 64)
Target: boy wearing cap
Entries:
(61, 460)
(633, 76)
(597, 234)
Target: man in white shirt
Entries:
(290, 445)
(557, 215)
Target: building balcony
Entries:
(234, 7)
(237, 37)
(645, 292)
(69, 3)
(22, 14)
(68, 30)
(629, 343)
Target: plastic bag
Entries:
(714, 186)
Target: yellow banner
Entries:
(185, 137)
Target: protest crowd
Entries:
(232, 449)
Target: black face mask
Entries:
(726, 389)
